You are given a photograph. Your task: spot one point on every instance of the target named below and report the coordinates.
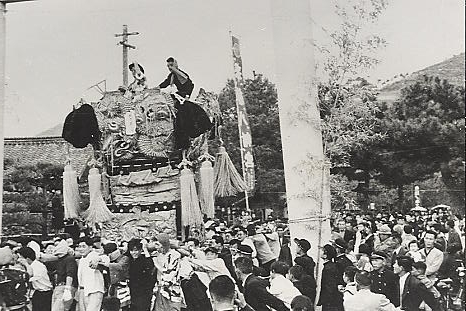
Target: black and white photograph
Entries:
(247, 155)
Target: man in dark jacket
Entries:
(302, 258)
(179, 78)
(341, 260)
(413, 291)
(384, 281)
(303, 282)
(255, 289)
(330, 298)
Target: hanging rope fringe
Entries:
(190, 210)
(70, 192)
(98, 211)
(228, 181)
(206, 188)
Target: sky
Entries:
(56, 49)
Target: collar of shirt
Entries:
(402, 283)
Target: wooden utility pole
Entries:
(125, 45)
(3, 4)
(306, 170)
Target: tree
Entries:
(425, 135)
(348, 102)
(261, 103)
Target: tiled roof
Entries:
(24, 151)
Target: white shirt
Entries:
(283, 289)
(40, 279)
(92, 280)
(402, 284)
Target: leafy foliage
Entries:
(261, 103)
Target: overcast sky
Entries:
(56, 49)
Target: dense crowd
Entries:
(372, 262)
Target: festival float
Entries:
(154, 167)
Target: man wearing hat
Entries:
(364, 299)
(341, 260)
(66, 276)
(385, 242)
(246, 251)
(302, 258)
(384, 281)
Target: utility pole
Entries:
(3, 4)
(306, 169)
(124, 43)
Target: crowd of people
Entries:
(372, 262)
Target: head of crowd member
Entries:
(378, 260)
(258, 227)
(233, 246)
(211, 253)
(26, 253)
(241, 234)
(279, 268)
(348, 275)
(429, 239)
(384, 232)
(85, 246)
(364, 249)
(403, 265)
(362, 279)
(49, 248)
(419, 268)
(135, 248)
(302, 303)
(413, 246)
(217, 242)
(6, 256)
(450, 224)
(244, 251)
(295, 273)
(341, 225)
(243, 267)
(340, 246)
(328, 252)
(251, 230)
(408, 229)
(397, 239)
(164, 242)
(109, 248)
(303, 246)
(228, 236)
(192, 243)
(349, 225)
(361, 226)
(222, 291)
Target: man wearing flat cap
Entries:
(384, 281)
(341, 260)
(302, 257)
(364, 299)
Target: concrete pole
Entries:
(306, 170)
(2, 100)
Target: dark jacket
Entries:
(414, 293)
(453, 238)
(342, 262)
(257, 296)
(307, 286)
(191, 121)
(183, 88)
(307, 263)
(285, 255)
(386, 282)
(81, 127)
(329, 293)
